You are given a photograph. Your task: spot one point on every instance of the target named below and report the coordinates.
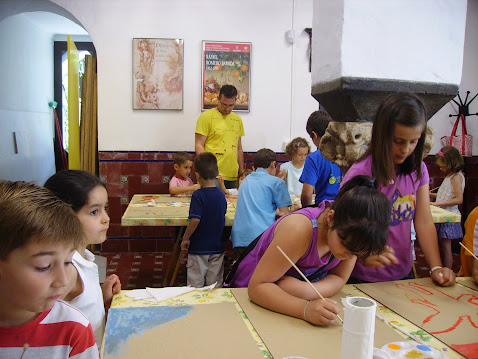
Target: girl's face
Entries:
(94, 217)
(336, 246)
(405, 141)
(441, 163)
(241, 179)
(300, 155)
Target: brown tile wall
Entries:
(128, 173)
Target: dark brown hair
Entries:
(182, 157)
(206, 165)
(404, 109)
(317, 122)
(263, 158)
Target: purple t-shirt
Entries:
(308, 263)
(402, 195)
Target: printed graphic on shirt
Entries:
(403, 207)
(335, 179)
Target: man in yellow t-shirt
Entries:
(219, 130)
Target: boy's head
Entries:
(183, 162)
(206, 165)
(265, 158)
(317, 124)
(38, 235)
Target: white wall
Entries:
(26, 73)
(441, 123)
(280, 85)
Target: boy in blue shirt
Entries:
(203, 236)
(260, 195)
(319, 174)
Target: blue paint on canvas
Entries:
(126, 322)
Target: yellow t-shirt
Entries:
(222, 136)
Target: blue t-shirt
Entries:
(260, 194)
(324, 175)
(209, 206)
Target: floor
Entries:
(140, 270)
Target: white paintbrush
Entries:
(461, 244)
(305, 278)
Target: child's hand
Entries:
(381, 261)
(196, 186)
(282, 174)
(321, 312)
(112, 285)
(444, 277)
(221, 180)
(185, 245)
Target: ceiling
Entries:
(55, 24)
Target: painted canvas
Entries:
(158, 74)
(450, 314)
(192, 331)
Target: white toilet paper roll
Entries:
(359, 327)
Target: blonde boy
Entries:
(181, 183)
(38, 236)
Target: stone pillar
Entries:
(363, 50)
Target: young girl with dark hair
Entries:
(394, 158)
(449, 196)
(323, 242)
(87, 195)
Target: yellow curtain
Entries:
(73, 122)
(88, 124)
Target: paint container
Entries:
(412, 350)
(359, 328)
(380, 354)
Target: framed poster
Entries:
(158, 74)
(226, 63)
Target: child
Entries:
(181, 183)
(297, 149)
(449, 196)
(394, 158)
(203, 236)
(319, 174)
(87, 195)
(38, 236)
(234, 191)
(260, 195)
(469, 265)
(323, 241)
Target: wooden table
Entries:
(167, 210)
(224, 295)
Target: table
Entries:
(224, 295)
(167, 210)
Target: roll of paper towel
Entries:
(359, 328)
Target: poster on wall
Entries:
(226, 63)
(157, 74)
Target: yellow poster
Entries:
(73, 119)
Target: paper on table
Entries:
(160, 294)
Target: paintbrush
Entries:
(401, 330)
(25, 348)
(305, 278)
(461, 244)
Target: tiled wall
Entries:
(130, 173)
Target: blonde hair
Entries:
(295, 144)
(32, 213)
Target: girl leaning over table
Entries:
(323, 242)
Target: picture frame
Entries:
(226, 63)
(158, 68)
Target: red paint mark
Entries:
(457, 323)
(468, 350)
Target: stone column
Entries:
(363, 50)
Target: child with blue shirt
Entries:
(319, 174)
(260, 195)
(203, 236)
